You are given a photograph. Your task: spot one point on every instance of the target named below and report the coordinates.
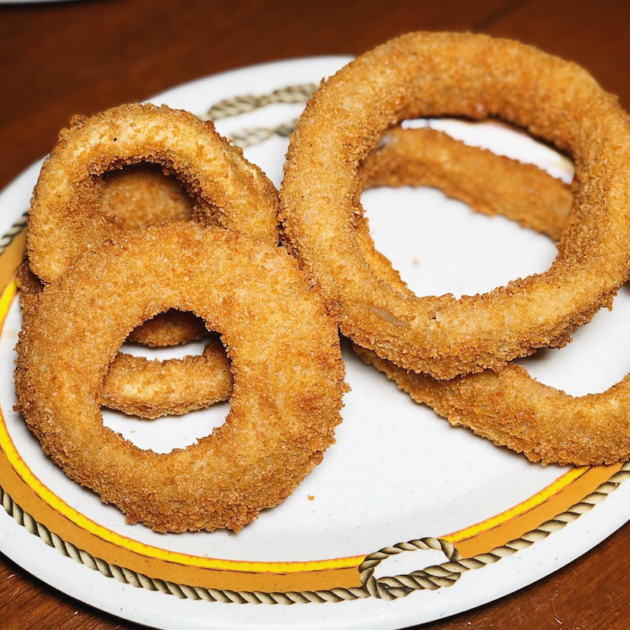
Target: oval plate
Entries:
(397, 473)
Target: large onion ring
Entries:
(286, 361)
(425, 74)
(150, 388)
(508, 407)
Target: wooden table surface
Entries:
(58, 59)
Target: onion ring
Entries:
(512, 409)
(140, 196)
(169, 329)
(148, 388)
(426, 74)
(489, 183)
(65, 218)
(286, 361)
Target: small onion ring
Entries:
(150, 388)
(65, 219)
(428, 74)
(286, 361)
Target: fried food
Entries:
(424, 74)
(141, 195)
(66, 218)
(83, 199)
(512, 409)
(172, 328)
(491, 184)
(152, 389)
(508, 407)
(149, 388)
(286, 362)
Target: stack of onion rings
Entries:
(279, 339)
(414, 157)
(425, 74)
(69, 216)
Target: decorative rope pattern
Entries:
(237, 105)
(387, 588)
(252, 136)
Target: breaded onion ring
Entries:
(152, 389)
(426, 74)
(169, 329)
(508, 407)
(140, 196)
(65, 218)
(286, 361)
(512, 409)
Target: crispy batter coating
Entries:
(508, 407)
(411, 157)
(286, 361)
(172, 328)
(66, 218)
(429, 74)
(512, 409)
(140, 196)
(149, 388)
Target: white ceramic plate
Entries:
(397, 472)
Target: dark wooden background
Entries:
(59, 59)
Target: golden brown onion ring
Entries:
(140, 196)
(65, 218)
(286, 361)
(149, 388)
(512, 409)
(152, 389)
(425, 74)
(490, 184)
